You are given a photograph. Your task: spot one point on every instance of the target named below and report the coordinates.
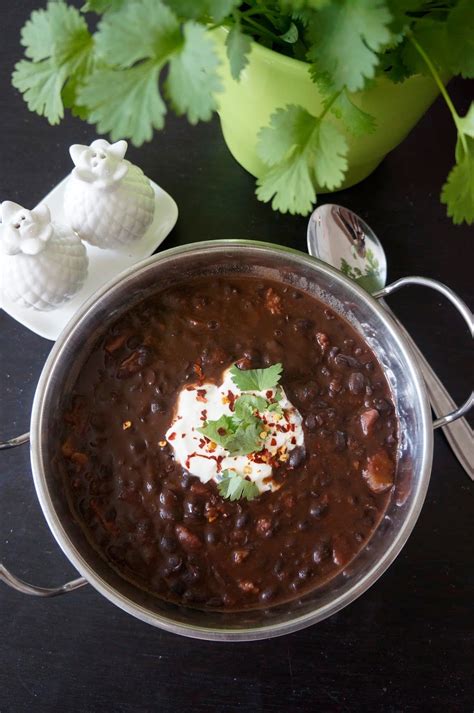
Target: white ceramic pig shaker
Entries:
(108, 201)
(42, 264)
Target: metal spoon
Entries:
(339, 237)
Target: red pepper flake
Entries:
(231, 396)
(172, 436)
(190, 388)
(221, 431)
(293, 441)
(269, 394)
(273, 442)
(198, 371)
(204, 414)
(202, 443)
(292, 426)
(201, 395)
(183, 435)
(219, 460)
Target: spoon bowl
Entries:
(339, 237)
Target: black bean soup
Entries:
(179, 538)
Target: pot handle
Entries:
(13, 581)
(437, 391)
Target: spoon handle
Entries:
(458, 433)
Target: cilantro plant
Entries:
(112, 77)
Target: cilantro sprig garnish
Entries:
(243, 431)
(256, 379)
(233, 486)
(112, 77)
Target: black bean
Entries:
(370, 366)
(310, 422)
(304, 572)
(303, 525)
(242, 520)
(317, 509)
(333, 352)
(267, 594)
(172, 564)
(193, 509)
(192, 574)
(382, 405)
(211, 536)
(167, 512)
(213, 324)
(356, 382)
(278, 566)
(133, 342)
(325, 371)
(340, 441)
(346, 360)
(321, 552)
(168, 544)
(307, 393)
(303, 325)
(297, 456)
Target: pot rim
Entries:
(38, 417)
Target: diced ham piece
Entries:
(378, 472)
(367, 420)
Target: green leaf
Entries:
(234, 487)
(302, 151)
(220, 430)
(145, 29)
(431, 35)
(192, 78)
(466, 123)
(357, 121)
(41, 84)
(460, 32)
(291, 35)
(58, 32)
(256, 379)
(100, 6)
(200, 9)
(458, 191)
(392, 64)
(59, 43)
(246, 438)
(345, 37)
(247, 404)
(238, 47)
(125, 102)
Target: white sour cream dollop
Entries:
(207, 460)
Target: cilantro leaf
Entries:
(458, 191)
(246, 438)
(203, 9)
(100, 6)
(357, 121)
(247, 404)
(345, 37)
(41, 84)
(460, 37)
(59, 44)
(302, 151)
(125, 102)
(192, 78)
(141, 30)
(256, 379)
(234, 487)
(466, 123)
(220, 430)
(238, 47)
(238, 437)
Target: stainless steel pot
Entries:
(371, 320)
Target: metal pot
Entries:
(369, 318)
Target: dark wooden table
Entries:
(408, 643)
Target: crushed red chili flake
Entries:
(293, 441)
(273, 442)
(204, 414)
(221, 431)
(269, 394)
(201, 395)
(231, 396)
(172, 436)
(198, 370)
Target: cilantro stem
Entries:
(441, 86)
(329, 104)
(263, 30)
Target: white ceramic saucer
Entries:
(103, 264)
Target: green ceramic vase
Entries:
(272, 80)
